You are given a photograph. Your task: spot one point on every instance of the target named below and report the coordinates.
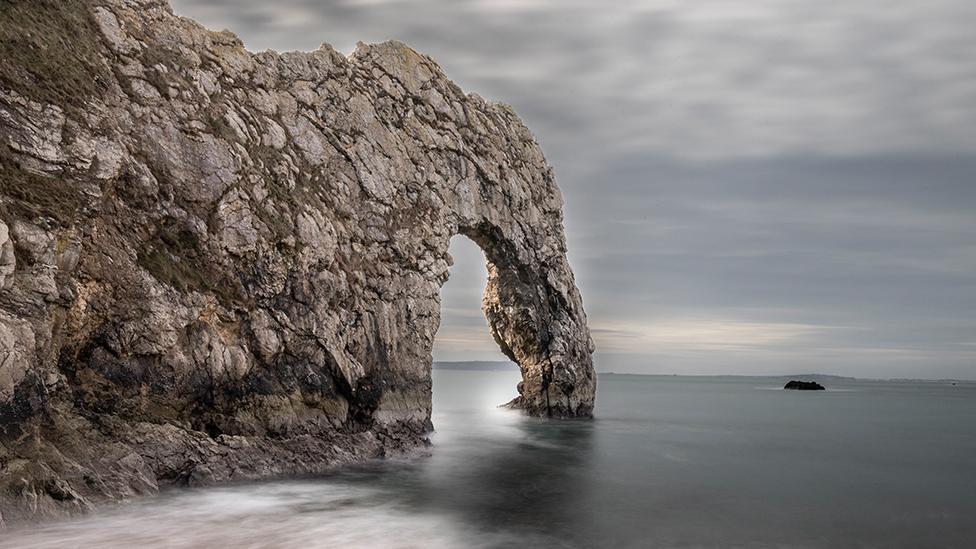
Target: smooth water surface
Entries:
(668, 462)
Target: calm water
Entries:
(669, 462)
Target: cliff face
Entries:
(222, 265)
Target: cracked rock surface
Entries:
(219, 265)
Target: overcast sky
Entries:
(752, 186)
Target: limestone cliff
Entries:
(222, 265)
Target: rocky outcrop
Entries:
(796, 385)
(222, 265)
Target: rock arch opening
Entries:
(534, 316)
(463, 335)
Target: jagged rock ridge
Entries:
(223, 265)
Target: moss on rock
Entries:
(30, 195)
(51, 51)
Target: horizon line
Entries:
(808, 374)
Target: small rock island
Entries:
(795, 385)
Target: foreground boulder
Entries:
(804, 386)
(221, 265)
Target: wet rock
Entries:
(804, 386)
(217, 265)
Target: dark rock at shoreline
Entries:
(795, 385)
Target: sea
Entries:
(667, 462)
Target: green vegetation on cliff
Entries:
(51, 51)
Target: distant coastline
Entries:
(505, 366)
(477, 365)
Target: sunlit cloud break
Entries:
(703, 334)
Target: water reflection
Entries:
(531, 484)
(493, 470)
(493, 478)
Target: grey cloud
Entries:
(710, 79)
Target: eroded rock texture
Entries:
(222, 265)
